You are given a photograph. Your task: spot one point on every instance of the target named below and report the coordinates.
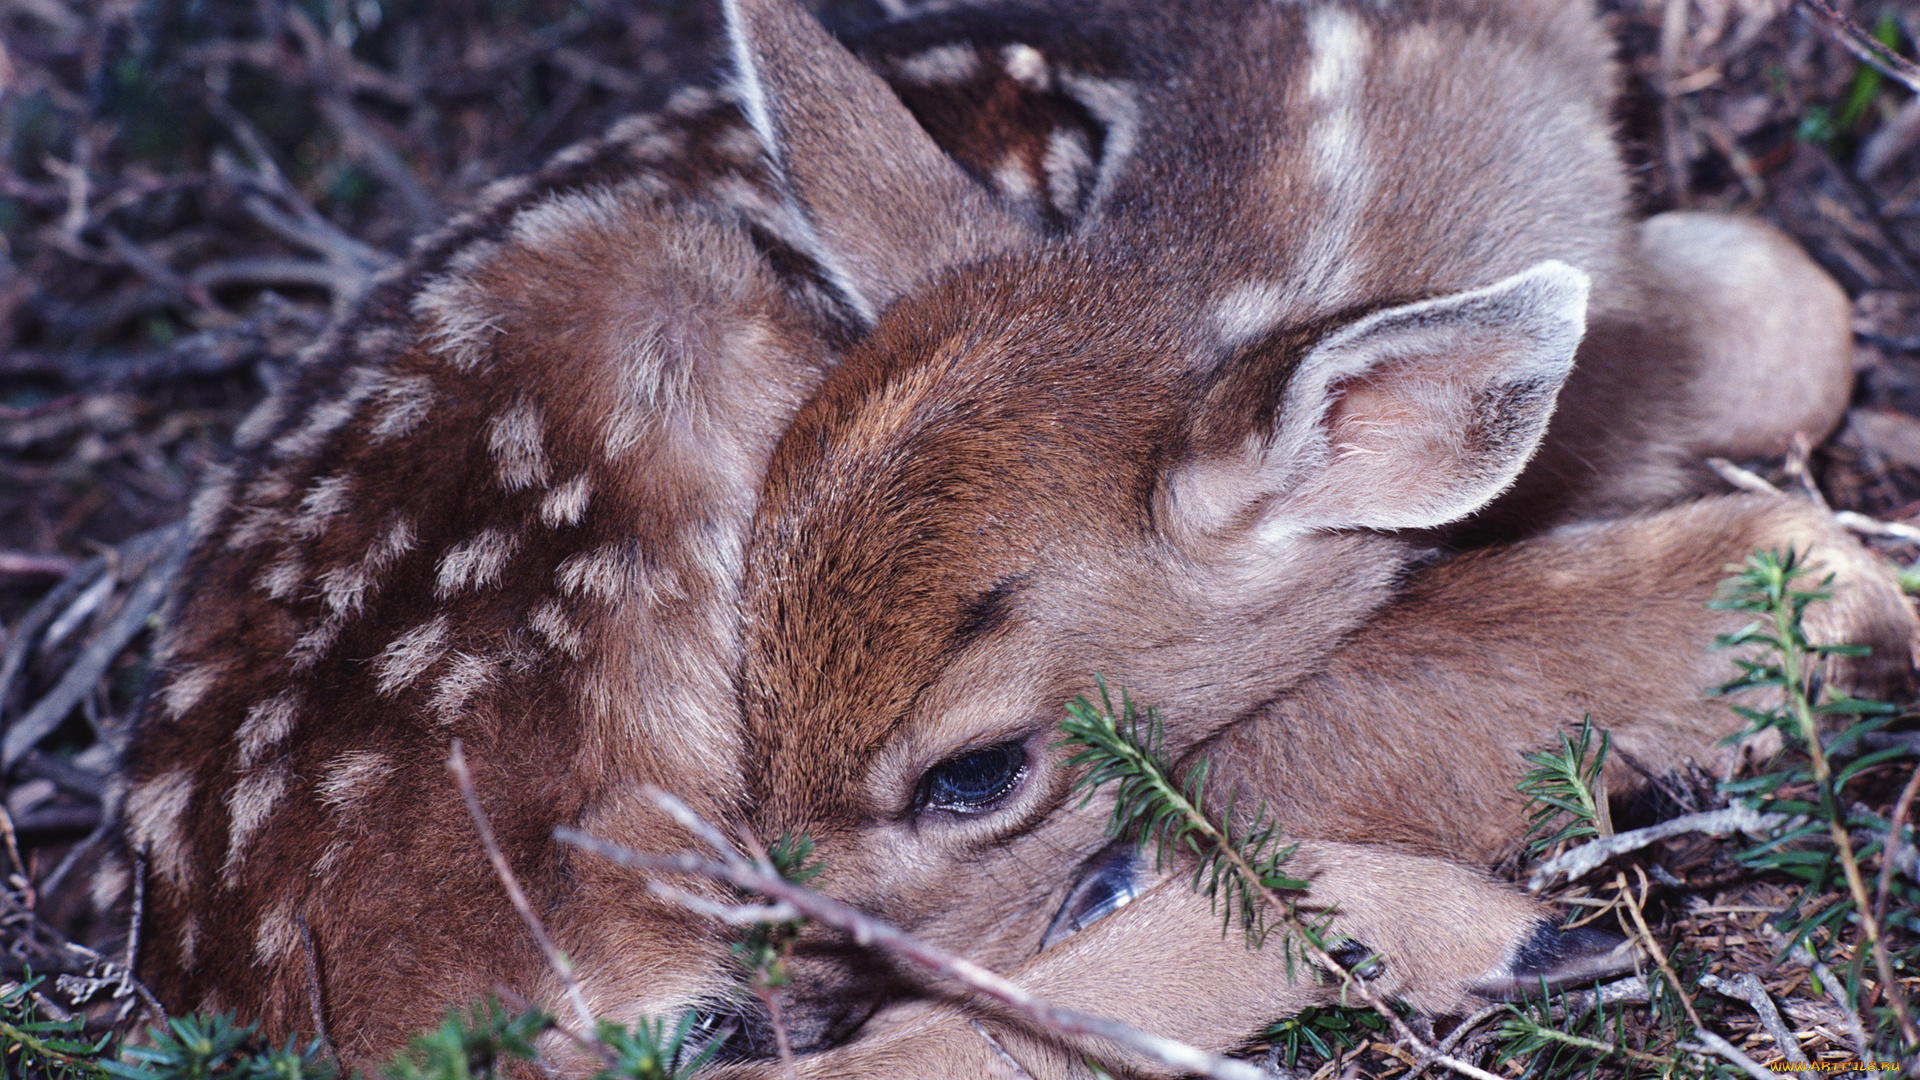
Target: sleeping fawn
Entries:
(801, 448)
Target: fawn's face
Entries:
(1051, 459)
(1012, 486)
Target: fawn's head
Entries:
(1043, 464)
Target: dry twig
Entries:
(562, 967)
(740, 872)
(1862, 44)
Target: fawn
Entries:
(1081, 321)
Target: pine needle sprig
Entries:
(1564, 787)
(1244, 868)
(1785, 661)
(1123, 748)
(31, 1045)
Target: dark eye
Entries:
(972, 782)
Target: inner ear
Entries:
(1410, 417)
(883, 206)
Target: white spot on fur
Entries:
(738, 143)
(255, 524)
(635, 126)
(1338, 47)
(267, 725)
(249, 805)
(504, 191)
(156, 810)
(400, 402)
(314, 642)
(1025, 64)
(349, 778)
(464, 321)
(941, 65)
(567, 504)
(214, 496)
(329, 859)
(345, 588)
(1013, 178)
(1249, 311)
(410, 655)
(382, 341)
(691, 101)
(277, 941)
(188, 687)
(109, 885)
(323, 501)
(1068, 164)
(605, 573)
(573, 155)
(476, 563)
(515, 438)
(559, 220)
(268, 488)
(465, 676)
(322, 421)
(658, 146)
(549, 620)
(1336, 148)
(260, 422)
(285, 576)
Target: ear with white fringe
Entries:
(884, 204)
(1407, 418)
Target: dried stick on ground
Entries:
(741, 873)
(1862, 44)
(457, 765)
(1584, 859)
(1748, 989)
(46, 714)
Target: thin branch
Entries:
(1748, 989)
(313, 986)
(1744, 479)
(1584, 859)
(146, 597)
(1633, 905)
(870, 932)
(1895, 842)
(1721, 1048)
(16, 565)
(457, 765)
(1862, 44)
(26, 633)
(1794, 682)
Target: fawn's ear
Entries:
(1407, 418)
(883, 204)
